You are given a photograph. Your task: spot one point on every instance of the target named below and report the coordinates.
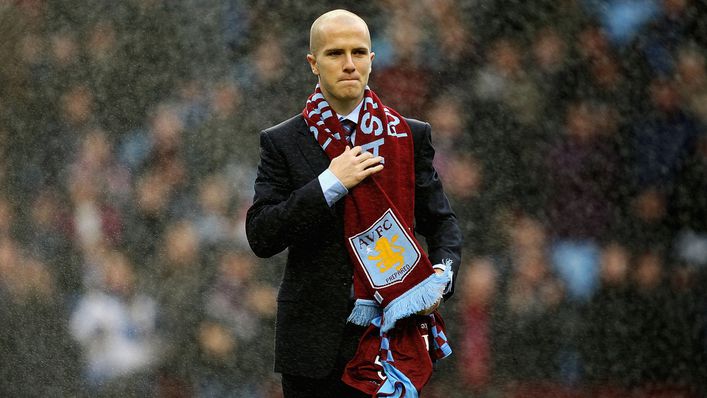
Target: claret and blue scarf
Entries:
(393, 278)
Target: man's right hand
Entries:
(354, 165)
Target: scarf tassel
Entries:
(364, 312)
(422, 296)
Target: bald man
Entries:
(310, 165)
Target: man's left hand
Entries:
(434, 306)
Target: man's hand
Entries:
(354, 165)
(437, 303)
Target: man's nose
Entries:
(349, 65)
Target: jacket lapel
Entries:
(311, 150)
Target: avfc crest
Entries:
(386, 251)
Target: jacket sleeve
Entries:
(282, 214)
(434, 217)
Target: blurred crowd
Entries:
(571, 137)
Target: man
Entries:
(306, 179)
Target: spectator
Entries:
(234, 338)
(213, 218)
(606, 349)
(583, 170)
(691, 76)
(404, 82)
(180, 278)
(688, 210)
(39, 358)
(504, 80)
(550, 57)
(453, 42)
(664, 138)
(661, 40)
(219, 374)
(96, 222)
(116, 327)
(211, 145)
(476, 367)
(661, 145)
(526, 325)
(50, 240)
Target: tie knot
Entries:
(348, 125)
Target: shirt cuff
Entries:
(331, 186)
(443, 267)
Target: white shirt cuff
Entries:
(443, 267)
(331, 186)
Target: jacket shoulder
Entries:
(418, 127)
(416, 124)
(421, 131)
(295, 123)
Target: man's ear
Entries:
(373, 56)
(313, 64)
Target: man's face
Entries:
(342, 60)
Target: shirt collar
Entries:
(353, 116)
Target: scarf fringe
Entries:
(420, 297)
(364, 312)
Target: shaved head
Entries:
(341, 57)
(334, 17)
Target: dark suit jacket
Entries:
(289, 212)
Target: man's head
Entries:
(340, 54)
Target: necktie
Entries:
(349, 127)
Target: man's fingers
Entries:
(373, 170)
(363, 156)
(371, 162)
(356, 166)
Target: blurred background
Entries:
(570, 136)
